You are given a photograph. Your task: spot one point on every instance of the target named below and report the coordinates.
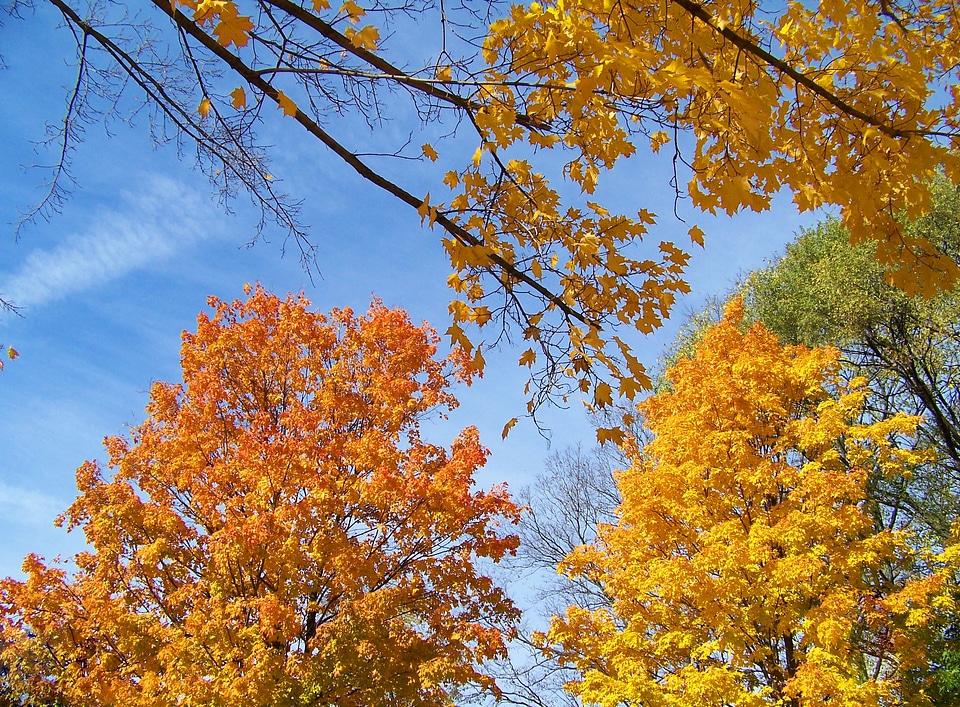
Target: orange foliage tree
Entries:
(276, 532)
(744, 568)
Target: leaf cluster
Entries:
(848, 103)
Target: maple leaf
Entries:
(366, 37)
(239, 98)
(234, 30)
(696, 235)
(353, 11)
(286, 104)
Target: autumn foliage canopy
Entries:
(851, 104)
(746, 567)
(276, 532)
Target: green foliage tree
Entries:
(823, 291)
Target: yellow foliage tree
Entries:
(276, 532)
(850, 103)
(744, 568)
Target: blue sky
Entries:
(108, 285)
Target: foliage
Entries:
(850, 103)
(11, 353)
(276, 532)
(745, 567)
(908, 348)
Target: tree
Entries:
(276, 532)
(573, 496)
(569, 499)
(825, 292)
(744, 567)
(846, 103)
(907, 347)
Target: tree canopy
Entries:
(907, 347)
(276, 532)
(849, 103)
(745, 566)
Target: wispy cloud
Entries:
(147, 227)
(28, 507)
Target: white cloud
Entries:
(21, 506)
(147, 227)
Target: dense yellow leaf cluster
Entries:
(745, 568)
(842, 103)
(850, 104)
(276, 532)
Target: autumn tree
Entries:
(277, 532)
(840, 102)
(744, 566)
(908, 348)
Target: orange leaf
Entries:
(286, 104)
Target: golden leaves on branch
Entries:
(834, 119)
(853, 109)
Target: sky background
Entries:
(108, 285)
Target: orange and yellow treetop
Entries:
(276, 532)
(746, 567)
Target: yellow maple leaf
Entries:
(603, 395)
(286, 104)
(353, 11)
(429, 152)
(610, 434)
(239, 97)
(481, 315)
(233, 28)
(204, 107)
(451, 179)
(425, 210)
(658, 140)
(696, 235)
(478, 362)
(365, 38)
